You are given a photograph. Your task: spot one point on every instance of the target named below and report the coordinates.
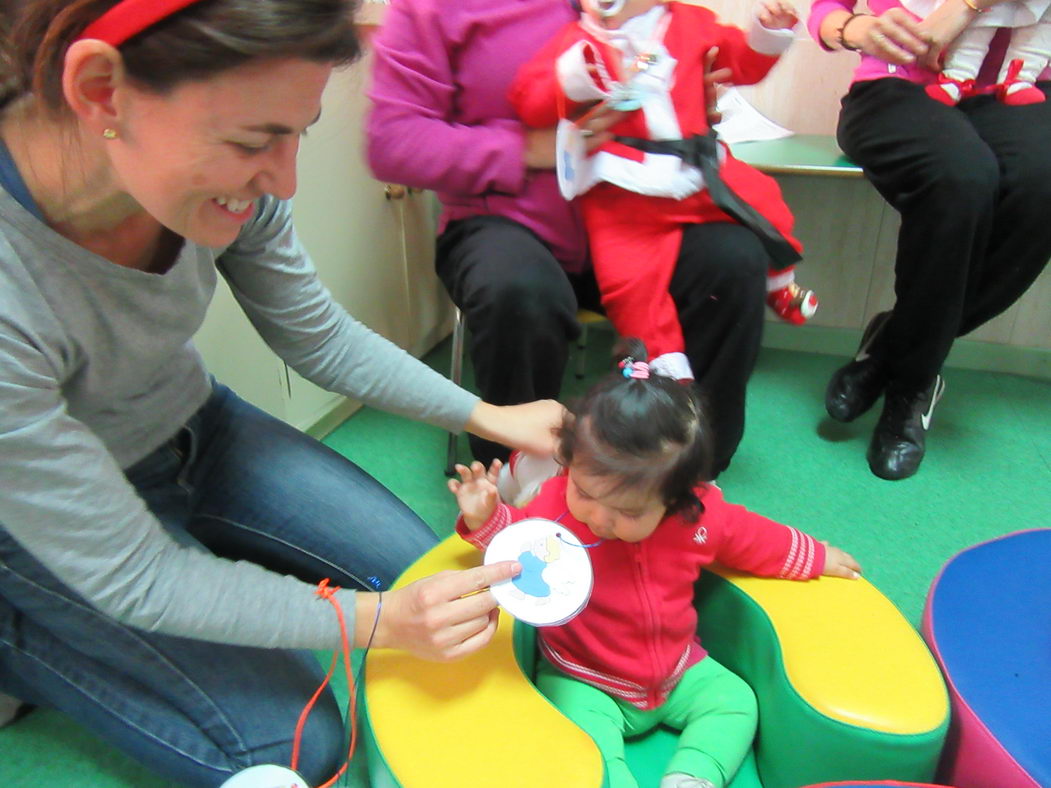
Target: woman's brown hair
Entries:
(202, 40)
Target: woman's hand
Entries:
(476, 493)
(942, 26)
(442, 617)
(894, 36)
(839, 563)
(713, 78)
(595, 125)
(529, 427)
(540, 149)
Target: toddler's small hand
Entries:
(839, 563)
(778, 15)
(475, 492)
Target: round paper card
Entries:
(555, 582)
(570, 154)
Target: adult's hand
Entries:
(944, 24)
(442, 617)
(894, 36)
(540, 148)
(595, 124)
(713, 78)
(529, 427)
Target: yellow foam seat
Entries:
(846, 689)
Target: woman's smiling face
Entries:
(198, 157)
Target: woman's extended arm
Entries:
(64, 499)
(67, 503)
(274, 281)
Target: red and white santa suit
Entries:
(634, 203)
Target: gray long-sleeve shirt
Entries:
(97, 369)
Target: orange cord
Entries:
(325, 591)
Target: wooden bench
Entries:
(800, 154)
(849, 236)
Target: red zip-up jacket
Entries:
(637, 634)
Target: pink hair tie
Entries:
(130, 17)
(630, 368)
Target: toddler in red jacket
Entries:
(632, 485)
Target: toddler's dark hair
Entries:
(649, 435)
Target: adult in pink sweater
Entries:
(972, 184)
(511, 251)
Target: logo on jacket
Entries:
(701, 537)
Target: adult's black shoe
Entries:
(899, 440)
(855, 387)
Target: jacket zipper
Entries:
(652, 620)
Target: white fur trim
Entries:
(521, 479)
(779, 280)
(769, 42)
(657, 175)
(672, 365)
(654, 89)
(573, 76)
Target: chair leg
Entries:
(582, 346)
(455, 374)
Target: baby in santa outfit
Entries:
(664, 167)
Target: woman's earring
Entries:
(110, 134)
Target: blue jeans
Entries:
(245, 486)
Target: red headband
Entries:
(130, 17)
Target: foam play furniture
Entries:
(988, 622)
(881, 784)
(846, 690)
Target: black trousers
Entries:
(520, 307)
(973, 186)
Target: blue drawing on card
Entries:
(531, 580)
(536, 557)
(569, 172)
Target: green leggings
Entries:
(713, 707)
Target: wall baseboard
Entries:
(1030, 362)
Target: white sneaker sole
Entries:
(939, 389)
